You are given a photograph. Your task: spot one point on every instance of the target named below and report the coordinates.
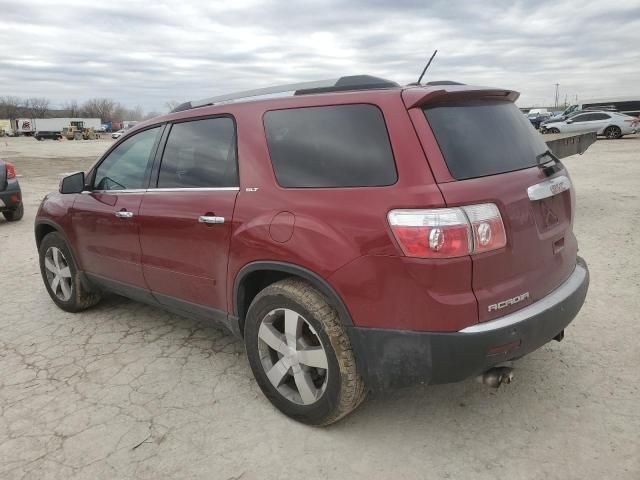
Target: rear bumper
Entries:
(10, 197)
(395, 358)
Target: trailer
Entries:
(48, 126)
(5, 128)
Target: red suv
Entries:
(357, 235)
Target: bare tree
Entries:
(37, 106)
(10, 107)
(102, 108)
(171, 105)
(72, 108)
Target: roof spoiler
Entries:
(418, 97)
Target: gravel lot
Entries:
(129, 391)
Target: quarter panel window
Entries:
(200, 154)
(330, 146)
(126, 167)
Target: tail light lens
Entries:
(448, 232)
(11, 170)
(487, 227)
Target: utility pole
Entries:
(556, 104)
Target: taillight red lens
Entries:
(435, 233)
(11, 170)
(448, 232)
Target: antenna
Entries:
(427, 66)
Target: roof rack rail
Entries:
(353, 82)
(444, 82)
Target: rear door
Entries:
(485, 151)
(186, 220)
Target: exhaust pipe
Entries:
(496, 376)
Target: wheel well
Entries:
(254, 278)
(252, 284)
(42, 231)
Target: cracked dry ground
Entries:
(128, 391)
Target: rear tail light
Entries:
(11, 170)
(448, 232)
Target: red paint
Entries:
(341, 234)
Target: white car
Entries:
(609, 124)
(117, 134)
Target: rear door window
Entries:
(484, 138)
(200, 154)
(332, 146)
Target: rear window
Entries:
(484, 138)
(333, 146)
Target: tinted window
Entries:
(200, 153)
(336, 146)
(581, 118)
(600, 116)
(484, 138)
(126, 166)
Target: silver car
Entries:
(609, 124)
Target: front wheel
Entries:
(301, 355)
(61, 276)
(553, 130)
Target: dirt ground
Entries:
(128, 391)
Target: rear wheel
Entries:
(14, 215)
(61, 276)
(301, 355)
(613, 132)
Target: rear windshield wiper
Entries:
(547, 167)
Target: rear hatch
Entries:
(482, 149)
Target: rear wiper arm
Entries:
(546, 168)
(548, 153)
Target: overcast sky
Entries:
(147, 52)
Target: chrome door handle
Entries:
(209, 219)
(124, 214)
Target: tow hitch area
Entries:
(496, 376)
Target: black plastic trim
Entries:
(166, 302)
(316, 280)
(388, 358)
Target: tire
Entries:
(329, 393)
(70, 294)
(612, 132)
(553, 130)
(14, 215)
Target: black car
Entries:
(10, 195)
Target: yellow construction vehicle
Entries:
(77, 131)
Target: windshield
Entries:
(484, 138)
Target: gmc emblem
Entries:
(508, 302)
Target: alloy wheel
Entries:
(58, 273)
(292, 356)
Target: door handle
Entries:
(124, 214)
(210, 219)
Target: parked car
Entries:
(11, 204)
(357, 235)
(537, 118)
(609, 124)
(117, 134)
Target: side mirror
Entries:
(73, 183)
(569, 121)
